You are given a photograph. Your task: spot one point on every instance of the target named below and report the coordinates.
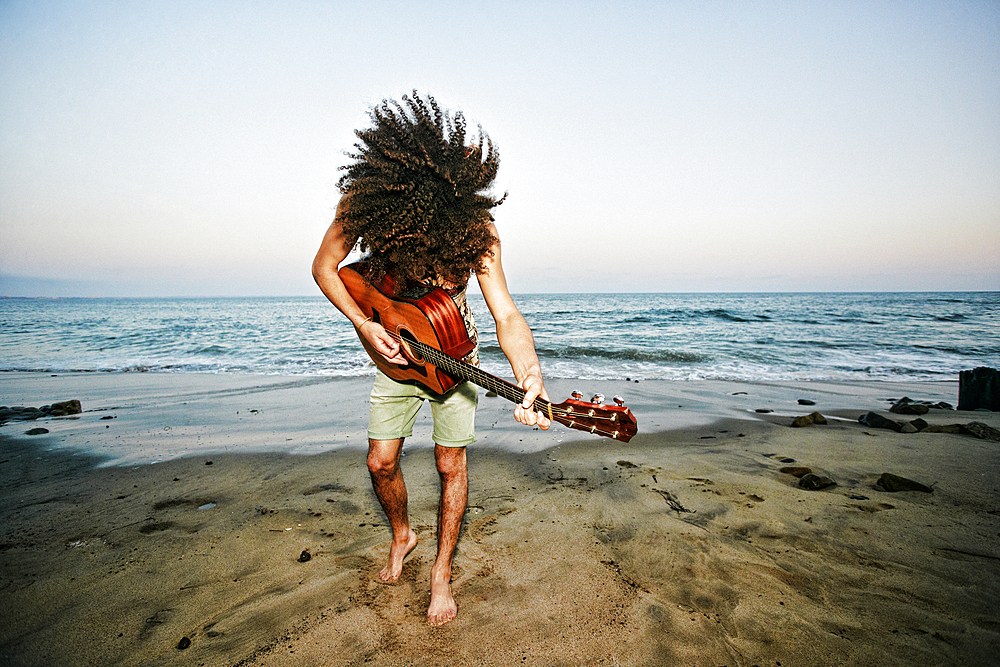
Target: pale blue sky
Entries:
(191, 148)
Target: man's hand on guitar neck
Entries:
(382, 342)
(533, 388)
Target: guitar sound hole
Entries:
(405, 339)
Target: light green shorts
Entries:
(394, 408)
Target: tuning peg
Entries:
(577, 395)
(618, 400)
(598, 398)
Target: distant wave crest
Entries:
(626, 354)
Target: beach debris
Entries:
(809, 420)
(787, 459)
(627, 464)
(796, 471)
(875, 420)
(763, 411)
(806, 401)
(36, 431)
(813, 482)
(673, 502)
(62, 409)
(892, 483)
(184, 643)
(305, 556)
(979, 389)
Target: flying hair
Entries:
(419, 196)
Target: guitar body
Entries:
(432, 336)
(421, 313)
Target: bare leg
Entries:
(453, 470)
(387, 480)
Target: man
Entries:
(416, 199)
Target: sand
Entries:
(175, 511)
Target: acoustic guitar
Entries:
(426, 323)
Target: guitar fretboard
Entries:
(465, 371)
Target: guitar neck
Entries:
(475, 375)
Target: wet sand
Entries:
(686, 546)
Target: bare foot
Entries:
(443, 607)
(397, 552)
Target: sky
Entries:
(192, 148)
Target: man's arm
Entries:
(514, 337)
(332, 251)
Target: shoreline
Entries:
(141, 418)
(687, 545)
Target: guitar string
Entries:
(509, 391)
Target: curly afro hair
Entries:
(419, 196)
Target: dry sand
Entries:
(687, 546)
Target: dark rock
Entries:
(806, 401)
(814, 482)
(875, 420)
(892, 483)
(763, 411)
(627, 464)
(909, 408)
(982, 431)
(19, 413)
(183, 643)
(979, 388)
(919, 424)
(305, 556)
(809, 419)
(36, 431)
(942, 405)
(796, 471)
(66, 408)
(908, 428)
(787, 460)
(957, 429)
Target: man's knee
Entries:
(450, 460)
(383, 457)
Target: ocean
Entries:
(746, 337)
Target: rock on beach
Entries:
(892, 483)
(809, 420)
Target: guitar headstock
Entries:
(610, 421)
